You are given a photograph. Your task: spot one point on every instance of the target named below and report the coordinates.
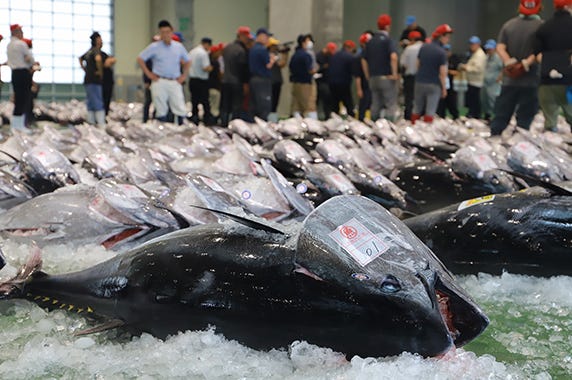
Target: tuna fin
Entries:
(110, 325)
(11, 156)
(181, 220)
(2, 260)
(13, 287)
(247, 222)
(557, 190)
(300, 269)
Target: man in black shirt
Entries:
(235, 76)
(554, 41)
(340, 78)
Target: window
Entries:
(59, 30)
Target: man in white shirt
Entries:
(475, 69)
(409, 62)
(20, 60)
(198, 80)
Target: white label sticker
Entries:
(476, 201)
(527, 150)
(340, 182)
(47, 158)
(132, 191)
(484, 162)
(359, 242)
(212, 184)
(334, 150)
(105, 162)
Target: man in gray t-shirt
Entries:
(515, 45)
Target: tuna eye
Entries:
(390, 285)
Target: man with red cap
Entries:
(20, 60)
(519, 91)
(409, 66)
(340, 78)
(324, 101)
(235, 76)
(554, 42)
(380, 66)
(431, 78)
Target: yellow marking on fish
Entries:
(55, 302)
(29, 294)
(37, 298)
(62, 305)
(46, 299)
(89, 310)
(70, 307)
(79, 310)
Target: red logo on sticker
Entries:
(348, 232)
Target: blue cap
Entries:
(490, 44)
(410, 20)
(474, 40)
(264, 31)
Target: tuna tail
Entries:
(14, 287)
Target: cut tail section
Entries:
(14, 287)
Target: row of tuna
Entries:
(302, 250)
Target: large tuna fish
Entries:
(527, 232)
(352, 277)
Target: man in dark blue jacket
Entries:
(340, 77)
(260, 63)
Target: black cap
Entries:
(206, 40)
(264, 31)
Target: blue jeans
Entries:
(94, 97)
(523, 100)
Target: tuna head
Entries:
(406, 300)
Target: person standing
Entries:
(215, 77)
(260, 63)
(431, 79)
(475, 70)
(20, 60)
(281, 58)
(492, 81)
(409, 64)
(411, 26)
(324, 101)
(380, 63)
(235, 76)
(108, 79)
(301, 71)
(554, 42)
(519, 91)
(450, 102)
(199, 80)
(340, 78)
(166, 77)
(92, 64)
(362, 86)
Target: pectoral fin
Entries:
(109, 325)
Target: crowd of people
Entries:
(528, 68)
